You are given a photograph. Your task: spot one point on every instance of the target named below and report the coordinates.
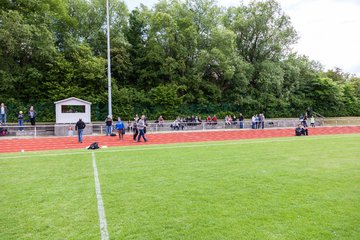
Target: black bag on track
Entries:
(94, 145)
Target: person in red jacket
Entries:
(214, 120)
(208, 120)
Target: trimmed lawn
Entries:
(283, 188)
(48, 198)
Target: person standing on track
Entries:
(135, 129)
(109, 124)
(80, 126)
(121, 128)
(141, 125)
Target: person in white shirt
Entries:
(140, 126)
(253, 122)
(312, 121)
(3, 112)
(32, 115)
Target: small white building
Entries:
(71, 109)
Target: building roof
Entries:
(72, 98)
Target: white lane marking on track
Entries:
(187, 145)
(101, 209)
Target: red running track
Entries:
(8, 145)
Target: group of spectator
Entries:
(301, 129)
(177, 124)
(181, 122)
(230, 120)
(211, 121)
(138, 128)
(160, 121)
(303, 120)
(258, 121)
(31, 114)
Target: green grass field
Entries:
(284, 188)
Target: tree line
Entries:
(177, 58)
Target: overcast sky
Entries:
(328, 29)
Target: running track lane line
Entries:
(173, 146)
(59, 143)
(101, 209)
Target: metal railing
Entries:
(318, 115)
(27, 130)
(204, 126)
(340, 122)
(99, 128)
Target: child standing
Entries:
(70, 131)
(312, 121)
(21, 121)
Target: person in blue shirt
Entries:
(121, 128)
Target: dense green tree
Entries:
(179, 57)
(136, 34)
(27, 51)
(263, 30)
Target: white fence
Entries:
(28, 130)
(99, 128)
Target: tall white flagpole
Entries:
(108, 57)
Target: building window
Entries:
(72, 108)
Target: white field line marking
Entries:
(186, 145)
(101, 210)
